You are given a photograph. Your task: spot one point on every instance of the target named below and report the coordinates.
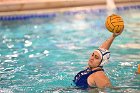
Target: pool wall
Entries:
(25, 9)
(21, 5)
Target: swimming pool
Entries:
(42, 53)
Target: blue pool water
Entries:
(42, 53)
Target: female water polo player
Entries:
(94, 75)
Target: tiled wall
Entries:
(53, 14)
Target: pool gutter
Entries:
(14, 7)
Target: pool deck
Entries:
(15, 7)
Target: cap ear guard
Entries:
(105, 58)
(105, 55)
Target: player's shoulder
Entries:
(99, 74)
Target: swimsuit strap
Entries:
(96, 70)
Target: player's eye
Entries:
(96, 57)
(92, 54)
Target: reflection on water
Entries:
(131, 45)
(40, 54)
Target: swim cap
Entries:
(104, 54)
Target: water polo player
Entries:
(94, 75)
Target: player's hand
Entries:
(117, 34)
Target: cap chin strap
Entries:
(100, 66)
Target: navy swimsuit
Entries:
(80, 79)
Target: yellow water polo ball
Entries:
(114, 23)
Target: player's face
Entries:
(94, 59)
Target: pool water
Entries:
(43, 54)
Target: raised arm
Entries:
(108, 42)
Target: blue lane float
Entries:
(25, 17)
